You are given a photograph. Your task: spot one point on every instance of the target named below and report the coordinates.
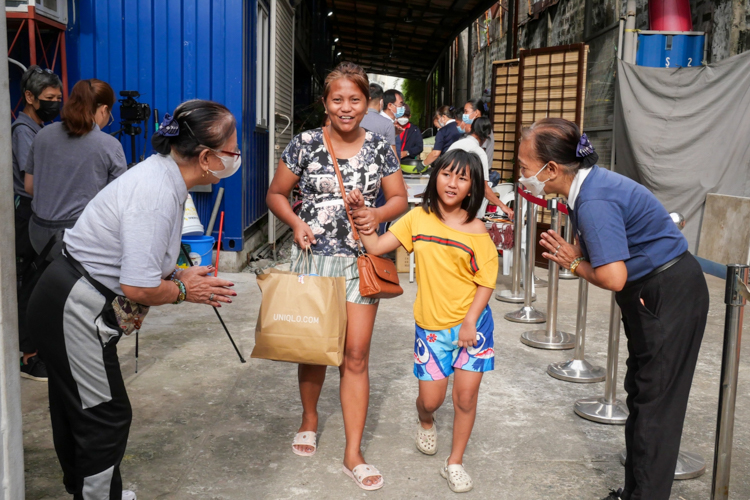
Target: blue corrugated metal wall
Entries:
(171, 51)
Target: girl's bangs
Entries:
(457, 166)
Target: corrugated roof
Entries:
(400, 38)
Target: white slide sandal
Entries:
(426, 439)
(362, 472)
(458, 479)
(307, 438)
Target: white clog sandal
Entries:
(307, 438)
(458, 479)
(426, 439)
(362, 472)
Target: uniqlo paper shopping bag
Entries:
(302, 318)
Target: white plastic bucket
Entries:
(191, 222)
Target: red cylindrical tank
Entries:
(670, 15)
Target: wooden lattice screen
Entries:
(551, 84)
(503, 112)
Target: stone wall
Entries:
(726, 23)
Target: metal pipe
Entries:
(583, 299)
(630, 39)
(613, 351)
(607, 409)
(566, 274)
(11, 424)
(578, 369)
(551, 337)
(214, 212)
(528, 272)
(514, 295)
(737, 276)
(527, 314)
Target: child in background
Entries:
(457, 269)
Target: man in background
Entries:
(374, 121)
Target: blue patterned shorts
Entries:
(436, 356)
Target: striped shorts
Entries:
(333, 267)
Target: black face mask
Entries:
(48, 110)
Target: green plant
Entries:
(414, 95)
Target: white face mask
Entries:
(533, 184)
(403, 120)
(231, 165)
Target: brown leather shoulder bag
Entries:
(378, 278)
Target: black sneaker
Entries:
(614, 495)
(34, 369)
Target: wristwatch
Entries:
(575, 263)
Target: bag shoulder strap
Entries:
(329, 147)
(42, 257)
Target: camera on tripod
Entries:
(132, 114)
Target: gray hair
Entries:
(36, 79)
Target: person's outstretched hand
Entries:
(202, 288)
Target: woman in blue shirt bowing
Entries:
(627, 243)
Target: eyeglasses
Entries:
(40, 71)
(234, 153)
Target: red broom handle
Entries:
(218, 246)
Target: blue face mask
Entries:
(400, 111)
(465, 118)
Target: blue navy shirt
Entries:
(446, 136)
(616, 219)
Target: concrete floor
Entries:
(207, 427)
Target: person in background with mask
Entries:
(473, 109)
(474, 143)
(436, 123)
(447, 135)
(393, 109)
(393, 104)
(410, 138)
(118, 259)
(42, 92)
(70, 162)
(374, 121)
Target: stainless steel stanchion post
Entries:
(527, 314)
(578, 369)
(735, 297)
(689, 465)
(514, 295)
(566, 274)
(607, 409)
(551, 337)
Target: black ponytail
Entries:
(479, 105)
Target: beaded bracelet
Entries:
(172, 276)
(183, 292)
(575, 263)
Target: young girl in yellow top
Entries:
(456, 273)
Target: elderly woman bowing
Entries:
(117, 260)
(628, 243)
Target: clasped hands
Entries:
(559, 250)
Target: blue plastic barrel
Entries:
(670, 49)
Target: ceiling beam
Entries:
(392, 62)
(403, 5)
(432, 21)
(369, 30)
